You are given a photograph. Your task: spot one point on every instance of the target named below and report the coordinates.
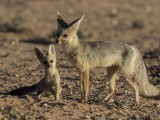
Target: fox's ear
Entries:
(51, 50)
(39, 53)
(75, 24)
(61, 23)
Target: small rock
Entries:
(115, 22)
(5, 54)
(111, 101)
(87, 117)
(96, 110)
(148, 9)
(16, 75)
(52, 97)
(45, 104)
(158, 105)
(138, 24)
(113, 117)
(113, 12)
(31, 100)
(65, 108)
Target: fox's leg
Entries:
(81, 77)
(130, 80)
(84, 80)
(86, 84)
(129, 70)
(58, 91)
(112, 74)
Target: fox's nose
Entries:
(57, 41)
(47, 65)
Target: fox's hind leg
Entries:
(130, 80)
(112, 75)
(129, 69)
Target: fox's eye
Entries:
(45, 62)
(51, 61)
(65, 35)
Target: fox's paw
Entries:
(86, 98)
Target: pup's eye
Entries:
(51, 61)
(58, 35)
(65, 35)
(45, 62)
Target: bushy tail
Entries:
(145, 87)
(24, 90)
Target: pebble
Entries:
(87, 117)
(111, 101)
(45, 104)
(16, 75)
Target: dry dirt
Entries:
(25, 24)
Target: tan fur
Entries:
(114, 56)
(50, 82)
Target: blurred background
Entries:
(132, 21)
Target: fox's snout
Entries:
(48, 66)
(58, 41)
(62, 38)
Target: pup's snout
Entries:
(57, 41)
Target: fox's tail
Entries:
(24, 90)
(141, 78)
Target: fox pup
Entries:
(114, 56)
(51, 78)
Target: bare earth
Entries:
(27, 24)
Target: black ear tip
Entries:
(36, 48)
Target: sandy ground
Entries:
(27, 24)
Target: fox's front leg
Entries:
(58, 91)
(86, 84)
(81, 77)
(84, 79)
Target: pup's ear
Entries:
(51, 50)
(61, 23)
(39, 53)
(75, 24)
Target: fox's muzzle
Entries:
(58, 42)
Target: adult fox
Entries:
(114, 56)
